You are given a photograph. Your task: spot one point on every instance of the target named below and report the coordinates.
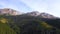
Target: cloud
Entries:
(38, 5)
(7, 4)
(48, 6)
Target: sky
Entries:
(48, 6)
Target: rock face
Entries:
(33, 13)
(8, 11)
(43, 15)
(46, 15)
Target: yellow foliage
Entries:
(46, 25)
(3, 20)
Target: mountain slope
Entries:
(5, 29)
(29, 23)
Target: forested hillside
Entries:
(25, 24)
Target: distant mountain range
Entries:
(8, 11)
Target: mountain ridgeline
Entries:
(28, 23)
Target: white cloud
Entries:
(38, 5)
(49, 6)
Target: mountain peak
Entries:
(46, 15)
(43, 15)
(8, 11)
(33, 13)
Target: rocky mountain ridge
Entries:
(8, 11)
(43, 15)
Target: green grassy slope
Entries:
(23, 24)
(5, 29)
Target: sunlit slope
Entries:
(5, 29)
(23, 24)
(7, 26)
